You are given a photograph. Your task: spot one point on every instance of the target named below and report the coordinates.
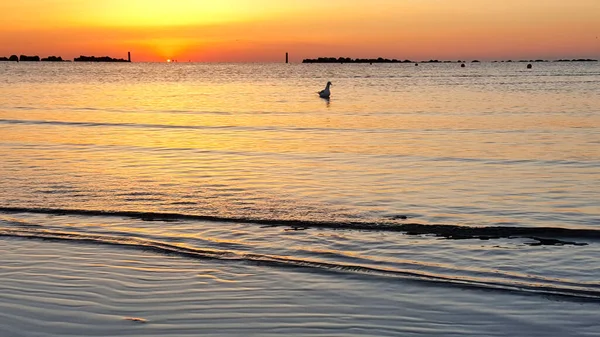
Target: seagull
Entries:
(325, 93)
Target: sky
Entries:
(264, 30)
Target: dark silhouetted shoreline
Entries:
(577, 60)
(384, 60)
(98, 59)
(350, 60)
(35, 58)
(52, 59)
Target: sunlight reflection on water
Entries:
(486, 144)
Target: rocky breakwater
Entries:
(52, 59)
(25, 58)
(98, 59)
(12, 58)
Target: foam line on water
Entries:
(389, 225)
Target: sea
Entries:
(417, 200)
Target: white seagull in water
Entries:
(325, 93)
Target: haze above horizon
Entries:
(263, 30)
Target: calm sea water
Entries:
(245, 162)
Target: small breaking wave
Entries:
(190, 127)
(584, 292)
(544, 235)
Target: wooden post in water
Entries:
(129, 56)
(286, 57)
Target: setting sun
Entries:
(263, 30)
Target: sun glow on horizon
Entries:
(263, 30)
(140, 13)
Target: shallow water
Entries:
(93, 291)
(244, 162)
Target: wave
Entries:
(263, 128)
(204, 127)
(458, 159)
(585, 292)
(127, 125)
(196, 127)
(542, 235)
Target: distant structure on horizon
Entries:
(350, 60)
(25, 58)
(101, 59)
(371, 61)
(343, 60)
(576, 60)
(52, 59)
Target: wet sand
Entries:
(58, 289)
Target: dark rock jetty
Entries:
(98, 59)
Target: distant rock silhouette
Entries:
(2, 59)
(52, 59)
(25, 58)
(343, 60)
(577, 60)
(350, 60)
(462, 65)
(529, 66)
(98, 59)
(13, 58)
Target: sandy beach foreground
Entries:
(58, 289)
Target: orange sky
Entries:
(263, 30)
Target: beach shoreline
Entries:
(59, 289)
